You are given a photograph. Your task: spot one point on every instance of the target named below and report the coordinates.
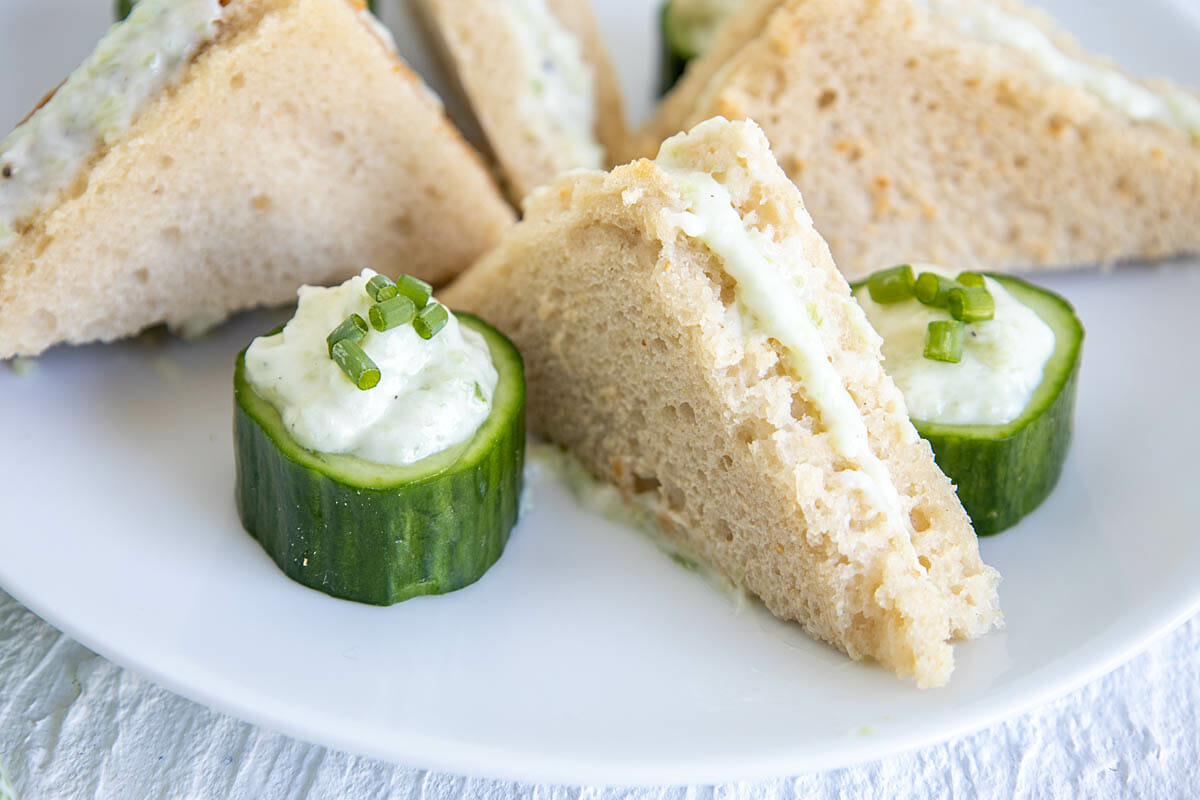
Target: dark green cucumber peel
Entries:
(676, 53)
(1004, 472)
(375, 533)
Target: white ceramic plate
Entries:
(585, 655)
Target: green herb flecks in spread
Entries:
(99, 102)
(988, 367)
(386, 391)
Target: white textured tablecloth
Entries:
(73, 725)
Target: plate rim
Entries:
(1119, 644)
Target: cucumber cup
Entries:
(376, 533)
(1003, 472)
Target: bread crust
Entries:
(295, 148)
(912, 143)
(621, 319)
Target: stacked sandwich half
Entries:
(689, 332)
(212, 155)
(967, 132)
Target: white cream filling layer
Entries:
(559, 103)
(986, 23)
(97, 104)
(432, 393)
(1003, 359)
(770, 299)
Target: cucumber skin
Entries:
(674, 62)
(1023, 469)
(380, 546)
(1000, 479)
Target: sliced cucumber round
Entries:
(1003, 472)
(376, 533)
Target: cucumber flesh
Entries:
(377, 533)
(1003, 472)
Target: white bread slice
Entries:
(638, 361)
(478, 45)
(912, 141)
(296, 147)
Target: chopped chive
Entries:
(934, 290)
(944, 340)
(969, 304)
(357, 365)
(972, 279)
(392, 313)
(123, 8)
(414, 289)
(431, 319)
(381, 288)
(892, 285)
(353, 329)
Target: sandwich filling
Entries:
(559, 101)
(1002, 366)
(432, 394)
(986, 23)
(98, 103)
(770, 303)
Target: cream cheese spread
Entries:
(432, 394)
(98, 103)
(559, 104)
(987, 23)
(770, 302)
(1003, 359)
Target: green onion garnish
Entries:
(944, 340)
(431, 319)
(357, 365)
(123, 8)
(934, 290)
(381, 288)
(972, 279)
(353, 329)
(392, 313)
(969, 304)
(414, 289)
(892, 285)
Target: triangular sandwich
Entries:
(964, 132)
(538, 80)
(212, 155)
(684, 328)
